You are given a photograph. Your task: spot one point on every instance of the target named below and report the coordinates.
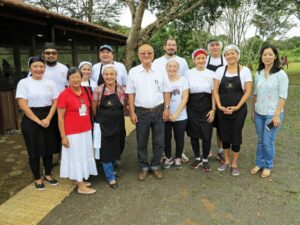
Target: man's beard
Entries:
(171, 52)
(51, 63)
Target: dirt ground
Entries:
(185, 197)
(191, 197)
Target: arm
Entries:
(276, 117)
(94, 106)
(133, 116)
(185, 97)
(61, 125)
(217, 96)
(46, 121)
(211, 114)
(166, 113)
(28, 112)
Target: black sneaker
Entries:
(196, 164)
(206, 167)
(52, 181)
(39, 187)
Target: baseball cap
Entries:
(107, 47)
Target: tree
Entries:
(166, 11)
(103, 12)
(235, 21)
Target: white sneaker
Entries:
(167, 163)
(184, 158)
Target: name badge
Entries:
(82, 110)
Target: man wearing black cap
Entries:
(54, 70)
(106, 57)
(213, 62)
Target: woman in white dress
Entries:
(77, 159)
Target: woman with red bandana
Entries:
(200, 109)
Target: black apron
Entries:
(198, 106)
(110, 115)
(230, 126)
(41, 141)
(100, 79)
(213, 67)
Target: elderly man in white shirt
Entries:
(106, 57)
(148, 90)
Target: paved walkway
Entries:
(29, 206)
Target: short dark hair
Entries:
(73, 70)
(35, 59)
(276, 65)
(170, 39)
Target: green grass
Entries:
(294, 73)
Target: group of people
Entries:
(78, 109)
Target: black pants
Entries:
(35, 166)
(196, 147)
(234, 148)
(179, 128)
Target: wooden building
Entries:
(23, 30)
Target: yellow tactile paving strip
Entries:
(23, 208)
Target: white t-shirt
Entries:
(58, 74)
(162, 62)
(245, 75)
(38, 93)
(178, 87)
(148, 87)
(87, 84)
(121, 70)
(200, 81)
(215, 61)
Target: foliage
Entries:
(105, 12)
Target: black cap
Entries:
(49, 45)
(35, 59)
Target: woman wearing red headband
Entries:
(200, 108)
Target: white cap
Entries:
(84, 62)
(232, 47)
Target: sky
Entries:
(125, 20)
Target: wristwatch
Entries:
(167, 107)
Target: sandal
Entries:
(255, 170)
(266, 173)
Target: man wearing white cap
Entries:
(106, 57)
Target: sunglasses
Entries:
(50, 53)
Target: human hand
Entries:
(166, 115)
(65, 142)
(210, 116)
(45, 123)
(276, 120)
(133, 118)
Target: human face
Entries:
(231, 57)
(37, 70)
(106, 56)
(109, 76)
(75, 80)
(170, 47)
(50, 56)
(172, 68)
(200, 61)
(215, 49)
(146, 54)
(86, 71)
(268, 57)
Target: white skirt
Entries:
(77, 161)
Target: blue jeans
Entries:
(150, 121)
(109, 171)
(265, 150)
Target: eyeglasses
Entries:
(50, 53)
(146, 53)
